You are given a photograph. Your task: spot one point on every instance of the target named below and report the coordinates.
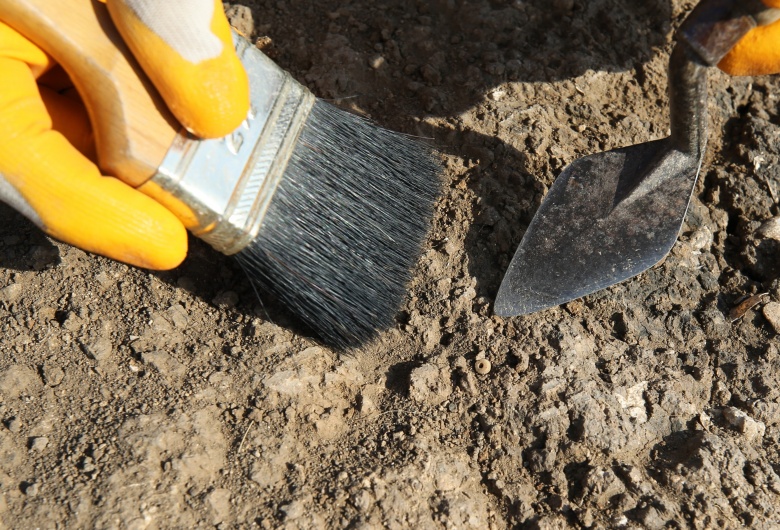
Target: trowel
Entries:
(612, 215)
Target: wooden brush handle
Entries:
(133, 127)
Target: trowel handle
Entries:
(133, 126)
(715, 26)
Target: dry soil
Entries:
(135, 400)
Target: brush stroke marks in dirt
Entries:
(177, 400)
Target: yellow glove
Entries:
(46, 146)
(758, 52)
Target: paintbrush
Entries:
(323, 209)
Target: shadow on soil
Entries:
(23, 247)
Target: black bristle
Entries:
(345, 226)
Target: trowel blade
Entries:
(606, 218)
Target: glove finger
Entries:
(14, 46)
(757, 53)
(58, 188)
(186, 49)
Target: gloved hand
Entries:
(758, 52)
(46, 146)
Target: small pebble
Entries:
(482, 366)
(366, 405)
(468, 382)
(241, 19)
(265, 44)
(178, 316)
(100, 350)
(11, 293)
(468, 294)
(72, 322)
(497, 94)
(376, 62)
(165, 363)
(430, 383)
(14, 425)
(31, 490)
(523, 362)
(705, 421)
(701, 239)
(772, 314)
(750, 428)
(39, 443)
(451, 247)
(770, 229)
(52, 374)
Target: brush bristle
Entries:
(345, 226)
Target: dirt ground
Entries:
(135, 400)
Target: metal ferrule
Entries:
(225, 185)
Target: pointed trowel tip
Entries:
(502, 305)
(514, 300)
